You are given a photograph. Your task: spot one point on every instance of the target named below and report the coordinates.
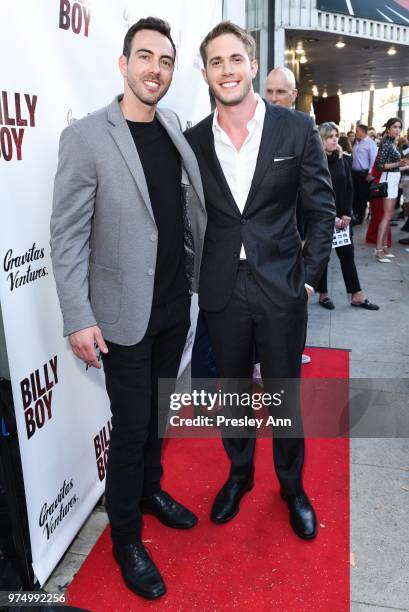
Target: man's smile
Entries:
(229, 84)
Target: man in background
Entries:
(364, 153)
(281, 87)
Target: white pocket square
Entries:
(278, 159)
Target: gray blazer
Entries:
(103, 231)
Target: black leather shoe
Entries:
(227, 502)
(139, 571)
(168, 511)
(366, 304)
(302, 515)
(327, 303)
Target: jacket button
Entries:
(243, 221)
(151, 272)
(154, 237)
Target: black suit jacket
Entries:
(267, 227)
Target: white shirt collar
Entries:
(258, 116)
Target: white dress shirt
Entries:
(239, 166)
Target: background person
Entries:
(342, 184)
(389, 162)
(364, 153)
(281, 87)
(351, 137)
(404, 183)
(372, 133)
(345, 145)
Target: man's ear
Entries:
(295, 95)
(254, 68)
(204, 75)
(123, 65)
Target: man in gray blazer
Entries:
(127, 231)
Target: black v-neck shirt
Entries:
(163, 172)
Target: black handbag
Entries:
(378, 190)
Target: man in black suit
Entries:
(255, 279)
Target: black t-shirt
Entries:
(162, 167)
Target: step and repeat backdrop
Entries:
(61, 65)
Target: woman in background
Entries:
(340, 171)
(345, 145)
(389, 162)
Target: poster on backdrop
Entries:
(64, 67)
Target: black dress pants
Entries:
(131, 374)
(251, 320)
(361, 194)
(348, 269)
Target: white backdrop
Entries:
(62, 64)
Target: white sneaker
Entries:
(305, 359)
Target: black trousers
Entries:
(203, 364)
(248, 320)
(348, 269)
(131, 374)
(361, 194)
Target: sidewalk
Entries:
(379, 495)
(379, 344)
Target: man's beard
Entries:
(234, 102)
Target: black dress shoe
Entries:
(366, 304)
(404, 241)
(302, 515)
(139, 571)
(227, 502)
(168, 511)
(327, 303)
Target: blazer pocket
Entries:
(284, 164)
(105, 292)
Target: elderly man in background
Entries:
(281, 87)
(364, 153)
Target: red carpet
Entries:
(255, 562)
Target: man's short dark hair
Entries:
(227, 27)
(362, 127)
(147, 23)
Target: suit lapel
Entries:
(209, 154)
(271, 138)
(122, 136)
(186, 153)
